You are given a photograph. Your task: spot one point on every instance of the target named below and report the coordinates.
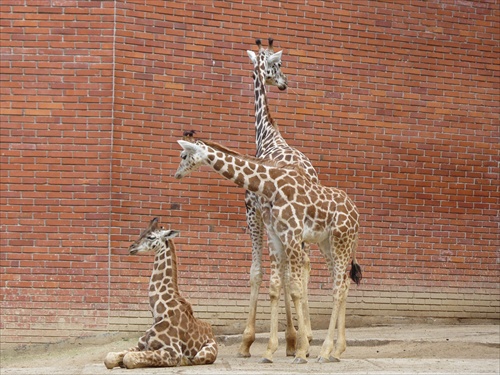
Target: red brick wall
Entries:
(395, 103)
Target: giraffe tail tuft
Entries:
(355, 272)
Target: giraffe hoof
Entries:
(299, 361)
(333, 359)
(291, 353)
(128, 361)
(243, 355)
(265, 360)
(323, 360)
(111, 361)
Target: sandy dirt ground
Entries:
(398, 349)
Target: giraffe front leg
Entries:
(291, 333)
(274, 296)
(167, 357)
(114, 359)
(294, 253)
(255, 226)
(302, 346)
(249, 332)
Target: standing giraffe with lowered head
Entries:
(270, 145)
(176, 338)
(298, 210)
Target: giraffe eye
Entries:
(183, 157)
(151, 237)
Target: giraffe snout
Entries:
(282, 83)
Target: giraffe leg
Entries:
(207, 354)
(277, 275)
(305, 296)
(294, 253)
(302, 346)
(255, 226)
(166, 357)
(249, 332)
(338, 267)
(327, 347)
(341, 343)
(274, 296)
(291, 332)
(114, 359)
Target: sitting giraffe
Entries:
(298, 210)
(176, 338)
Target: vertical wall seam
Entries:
(113, 75)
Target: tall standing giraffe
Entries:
(297, 210)
(270, 145)
(176, 338)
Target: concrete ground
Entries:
(394, 349)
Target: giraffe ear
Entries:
(274, 58)
(189, 146)
(170, 234)
(153, 224)
(252, 56)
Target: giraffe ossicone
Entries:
(268, 64)
(176, 337)
(299, 210)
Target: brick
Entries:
(90, 115)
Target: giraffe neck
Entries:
(164, 276)
(264, 123)
(256, 177)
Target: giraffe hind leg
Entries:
(207, 354)
(337, 264)
(341, 343)
(305, 281)
(291, 332)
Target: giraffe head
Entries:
(192, 157)
(152, 237)
(268, 65)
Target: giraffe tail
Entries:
(355, 272)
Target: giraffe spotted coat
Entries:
(176, 337)
(299, 210)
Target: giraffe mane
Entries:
(270, 118)
(230, 151)
(265, 162)
(266, 104)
